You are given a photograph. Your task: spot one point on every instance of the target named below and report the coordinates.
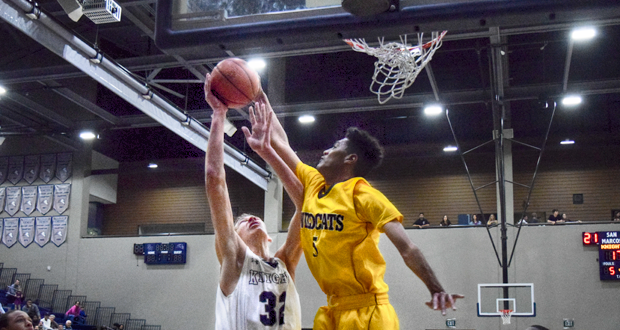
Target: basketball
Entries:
(234, 83)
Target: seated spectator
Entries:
(534, 218)
(616, 216)
(421, 222)
(46, 322)
(474, 220)
(15, 320)
(53, 323)
(555, 217)
(523, 221)
(33, 311)
(445, 222)
(75, 313)
(492, 221)
(118, 326)
(68, 324)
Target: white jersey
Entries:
(264, 298)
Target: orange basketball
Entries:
(234, 83)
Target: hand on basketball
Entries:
(442, 301)
(260, 138)
(215, 104)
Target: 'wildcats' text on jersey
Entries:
(325, 221)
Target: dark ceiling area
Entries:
(47, 95)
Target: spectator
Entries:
(15, 320)
(75, 313)
(46, 323)
(17, 304)
(68, 324)
(445, 222)
(117, 326)
(421, 222)
(555, 217)
(492, 221)
(534, 218)
(33, 311)
(53, 323)
(616, 216)
(11, 292)
(474, 220)
(524, 220)
(60, 327)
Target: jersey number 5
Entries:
(271, 301)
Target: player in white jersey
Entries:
(256, 291)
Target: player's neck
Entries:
(333, 177)
(261, 249)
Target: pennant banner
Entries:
(29, 199)
(26, 231)
(43, 230)
(16, 169)
(13, 197)
(64, 166)
(2, 198)
(31, 168)
(59, 229)
(4, 168)
(1, 228)
(9, 235)
(48, 167)
(61, 197)
(45, 198)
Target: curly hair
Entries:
(367, 148)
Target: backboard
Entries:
(518, 297)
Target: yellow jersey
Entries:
(340, 231)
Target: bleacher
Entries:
(53, 300)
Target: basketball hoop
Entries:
(398, 63)
(506, 313)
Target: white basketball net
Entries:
(506, 313)
(398, 63)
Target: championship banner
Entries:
(16, 169)
(43, 230)
(2, 198)
(1, 226)
(26, 231)
(61, 197)
(64, 166)
(9, 234)
(59, 229)
(48, 167)
(13, 197)
(31, 168)
(4, 168)
(45, 198)
(29, 199)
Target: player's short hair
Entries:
(367, 148)
(4, 318)
(243, 217)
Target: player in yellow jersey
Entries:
(342, 218)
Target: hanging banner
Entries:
(45, 198)
(48, 167)
(29, 199)
(26, 231)
(2, 198)
(59, 229)
(16, 169)
(4, 168)
(43, 230)
(9, 235)
(32, 165)
(64, 166)
(61, 197)
(13, 197)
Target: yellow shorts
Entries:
(364, 311)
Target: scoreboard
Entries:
(608, 252)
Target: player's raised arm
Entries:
(229, 247)
(415, 260)
(259, 139)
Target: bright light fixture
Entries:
(87, 135)
(152, 165)
(583, 33)
(567, 141)
(306, 119)
(571, 100)
(2, 90)
(433, 110)
(257, 64)
(450, 149)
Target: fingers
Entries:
(246, 132)
(443, 303)
(252, 116)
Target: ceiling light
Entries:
(257, 64)
(450, 149)
(152, 165)
(306, 119)
(583, 33)
(433, 110)
(567, 141)
(571, 100)
(2, 90)
(87, 135)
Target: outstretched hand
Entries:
(260, 137)
(215, 104)
(442, 301)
